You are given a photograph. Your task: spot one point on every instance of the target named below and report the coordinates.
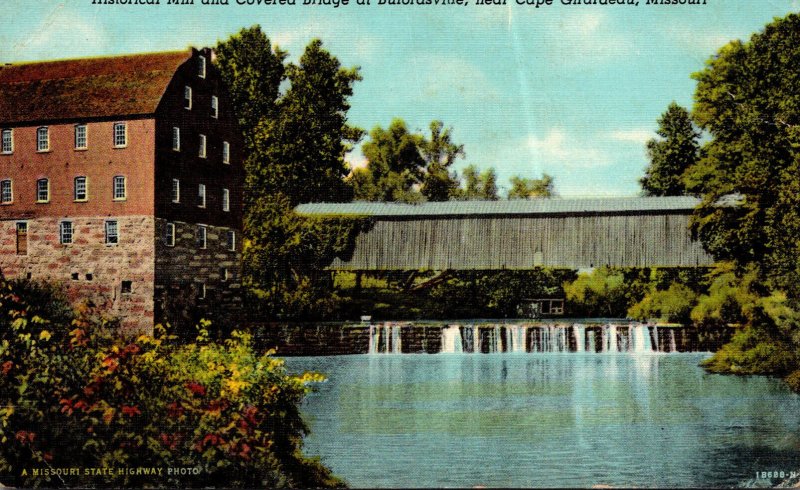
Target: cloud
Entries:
(355, 159)
(557, 148)
(587, 36)
(638, 136)
(63, 34)
(452, 77)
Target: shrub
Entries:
(672, 305)
(77, 396)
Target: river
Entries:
(546, 420)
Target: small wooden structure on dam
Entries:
(523, 234)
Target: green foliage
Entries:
(77, 396)
(606, 292)
(407, 167)
(672, 305)
(670, 156)
(522, 188)
(478, 186)
(746, 99)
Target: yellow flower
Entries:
(45, 335)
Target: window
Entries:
(22, 238)
(65, 232)
(226, 200)
(80, 137)
(176, 190)
(187, 95)
(6, 195)
(169, 235)
(75, 276)
(120, 188)
(42, 190)
(81, 189)
(176, 139)
(89, 276)
(201, 236)
(202, 150)
(112, 232)
(201, 66)
(42, 139)
(214, 106)
(120, 135)
(231, 240)
(201, 195)
(226, 152)
(126, 287)
(7, 141)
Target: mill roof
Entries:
(533, 206)
(86, 88)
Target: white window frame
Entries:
(202, 147)
(187, 98)
(214, 106)
(85, 181)
(46, 190)
(226, 200)
(114, 181)
(201, 66)
(176, 138)
(176, 190)
(6, 185)
(226, 152)
(231, 237)
(169, 235)
(120, 138)
(107, 225)
(7, 143)
(202, 237)
(201, 195)
(66, 237)
(42, 139)
(85, 137)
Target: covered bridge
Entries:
(522, 234)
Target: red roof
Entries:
(86, 88)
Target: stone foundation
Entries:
(88, 268)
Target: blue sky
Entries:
(570, 90)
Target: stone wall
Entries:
(89, 269)
(183, 269)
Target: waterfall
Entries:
(397, 341)
(451, 340)
(641, 339)
(591, 334)
(579, 331)
(476, 339)
(657, 341)
(610, 339)
(672, 346)
(496, 339)
(374, 337)
(515, 335)
(468, 339)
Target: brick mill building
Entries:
(121, 180)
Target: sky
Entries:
(573, 91)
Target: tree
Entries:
(671, 155)
(394, 165)
(747, 100)
(439, 152)
(408, 167)
(482, 186)
(522, 188)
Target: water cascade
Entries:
(672, 346)
(641, 338)
(451, 340)
(385, 339)
(610, 339)
(579, 331)
(516, 337)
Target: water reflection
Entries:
(545, 420)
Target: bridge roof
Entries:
(524, 207)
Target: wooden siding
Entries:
(523, 242)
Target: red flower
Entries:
(130, 411)
(196, 388)
(174, 410)
(7, 366)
